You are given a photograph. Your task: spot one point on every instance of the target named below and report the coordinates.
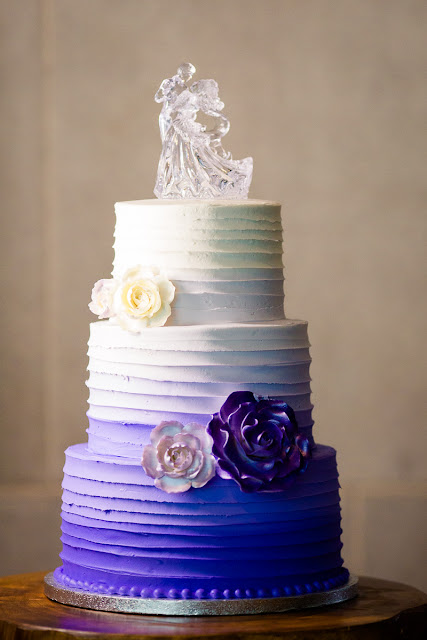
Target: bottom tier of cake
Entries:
(122, 535)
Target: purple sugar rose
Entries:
(257, 444)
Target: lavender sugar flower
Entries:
(257, 444)
(179, 457)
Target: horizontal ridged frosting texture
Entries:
(186, 374)
(121, 532)
(224, 257)
(227, 332)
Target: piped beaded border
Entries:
(204, 594)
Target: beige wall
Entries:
(329, 98)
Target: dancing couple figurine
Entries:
(193, 162)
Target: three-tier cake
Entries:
(200, 479)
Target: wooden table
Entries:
(383, 610)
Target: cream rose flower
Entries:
(102, 298)
(143, 299)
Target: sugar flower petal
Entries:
(172, 485)
(165, 428)
(101, 303)
(150, 462)
(206, 473)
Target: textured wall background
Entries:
(329, 98)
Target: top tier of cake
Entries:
(224, 257)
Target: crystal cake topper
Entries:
(193, 163)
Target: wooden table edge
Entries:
(334, 622)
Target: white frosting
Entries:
(204, 405)
(107, 382)
(266, 336)
(204, 246)
(192, 369)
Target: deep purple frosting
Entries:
(257, 444)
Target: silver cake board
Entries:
(162, 606)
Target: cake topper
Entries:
(193, 162)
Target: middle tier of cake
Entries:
(186, 374)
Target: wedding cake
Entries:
(200, 479)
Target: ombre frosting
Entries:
(123, 535)
(123, 532)
(224, 257)
(186, 373)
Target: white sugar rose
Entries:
(143, 299)
(179, 457)
(102, 298)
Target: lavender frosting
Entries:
(121, 534)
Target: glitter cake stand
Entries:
(126, 604)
